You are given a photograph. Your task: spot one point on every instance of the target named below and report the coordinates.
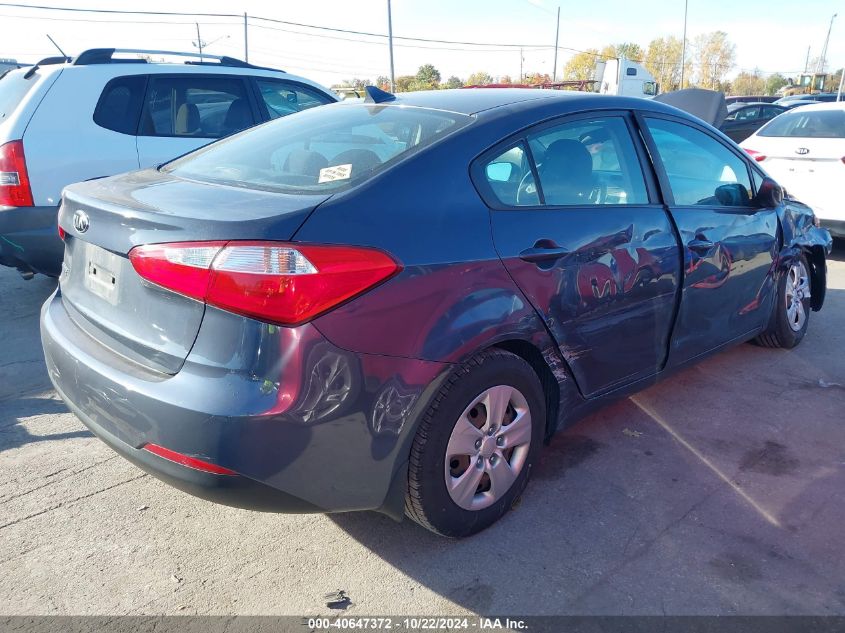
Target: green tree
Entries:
(480, 78)
(746, 84)
(832, 82)
(383, 82)
(405, 83)
(454, 82)
(582, 65)
(428, 76)
(714, 56)
(505, 79)
(629, 50)
(774, 83)
(356, 83)
(663, 60)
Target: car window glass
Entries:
(13, 88)
(701, 171)
(320, 149)
(807, 124)
(748, 114)
(511, 179)
(283, 98)
(204, 107)
(588, 162)
(120, 104)
(769, 112)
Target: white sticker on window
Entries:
(336, 172)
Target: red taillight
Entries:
(753, 153)
(62, 234)
(281, 283)
(14, 181)
(184, 460)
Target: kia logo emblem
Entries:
(802, 150)
(80, 221)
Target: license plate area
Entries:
(100, 276)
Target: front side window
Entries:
(701, 171)
(807, 124)
(202, 107)
(320, 150)
(588, 162)
(120, 104)
(283, 98)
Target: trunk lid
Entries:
(805, 167)
(103, 294)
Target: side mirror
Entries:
(770, 194)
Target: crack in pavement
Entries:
(72, 501)
(4, 500)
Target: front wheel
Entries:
(476, 445)
(791, 316)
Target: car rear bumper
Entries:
(29, 239)
(294, 446)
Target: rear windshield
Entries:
(13, 88)
(807, 124)
(319, 150)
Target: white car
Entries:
(108, 111)
(804, 151)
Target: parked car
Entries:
(750, 99)
(746, 118)
(804, 150)
(67, 120)
(391, 303)
(794, 101)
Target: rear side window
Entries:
(807, 124)
(13, 89)
(196, 106)
(319, 150)
(283, 98)
(580, 163)
(701, 171)
(120, 104)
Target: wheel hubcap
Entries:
(797, 292)
(488, 447)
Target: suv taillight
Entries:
(14, 181)
(276, 282)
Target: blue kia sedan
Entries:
(392, 304)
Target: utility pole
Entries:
(823, 58)
(246, 40)
(841, 77)
(684, 45)
(557, 34)
(390, 45)
(807, 61)
(521, 59)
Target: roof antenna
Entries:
(56, 45)
(375, 95)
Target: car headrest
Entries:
(566, 174)
(187, 119)
(303, 162)
(238, 117)
(362, 160)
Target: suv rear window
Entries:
(201, 107)
(807, 124)
(321, 149)
(120, 104)
(13, 89)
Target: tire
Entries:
(507, 452)
(790, 318)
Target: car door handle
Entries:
(700, 245)
(541, 254)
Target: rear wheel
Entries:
(476, 445)
(791, 317)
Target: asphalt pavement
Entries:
(717, 491)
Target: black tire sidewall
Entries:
(440, 510)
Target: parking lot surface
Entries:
(717, 491)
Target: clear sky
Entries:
(772, 35)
